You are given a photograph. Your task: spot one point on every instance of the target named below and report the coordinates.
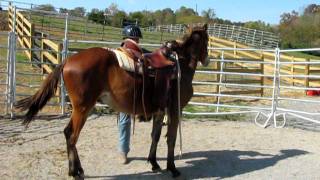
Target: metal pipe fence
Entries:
(229, 86)
(284, 99)
(251, 37)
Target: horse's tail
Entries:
(36, 102)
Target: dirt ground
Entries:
(211, 150)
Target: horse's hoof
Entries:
(156, 168)
(175, 173)
(79, 176)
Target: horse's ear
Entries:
(205, 26)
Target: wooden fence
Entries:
(254, 67)
(288, 69)
(48, 52)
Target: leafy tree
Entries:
(45, 7)
(63, 10)
(259, 25)
(184, 11)
(209, 14)
(117, 18)
(78, 11)
(136, 16)
(300, 31)
(311, 9)
(96, 15)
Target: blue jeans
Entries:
(124, 132)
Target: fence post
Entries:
(262, 73)
(232, 32)
(292, 71)
(245, 41)
(307, 73)
(31, 40)
(11, 86)
(220, 80)
(12, 65)
(235, 50)
(8, 79)
(262, 39)
(64, 56)
(253, 38)
(219, 31)
(86, 28)
(238, 35)
(41, 53)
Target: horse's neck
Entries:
(187, 71)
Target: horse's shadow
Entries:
(215, 164)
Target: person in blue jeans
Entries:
(132, 32)
(124, 127)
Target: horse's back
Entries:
(85, 74)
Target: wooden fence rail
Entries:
(288, 69)
(49, 51)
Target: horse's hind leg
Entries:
(72, 132)
(155, 135)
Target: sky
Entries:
(268, 11)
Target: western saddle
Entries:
(158, 68)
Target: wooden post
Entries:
(234, 51)
(59, 53)
(262, 77)
(41, 53)
(218, 68)
(307, 72)
(31, 41)
(292, 70)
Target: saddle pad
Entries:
(125, 62)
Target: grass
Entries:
(194, 109)
(303, 55)
(87, 30)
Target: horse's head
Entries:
(195, 44)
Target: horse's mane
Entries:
(190, 31)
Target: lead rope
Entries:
(179, 107)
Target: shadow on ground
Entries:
(214, 164)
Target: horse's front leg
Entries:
(171, 141)
(155, 135)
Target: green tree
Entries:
(117, 18)
(209, 15)
(136, 16)
(78, 11)
(259, 25)
(45, 7)
(96, 15)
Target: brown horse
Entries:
(95, 73)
